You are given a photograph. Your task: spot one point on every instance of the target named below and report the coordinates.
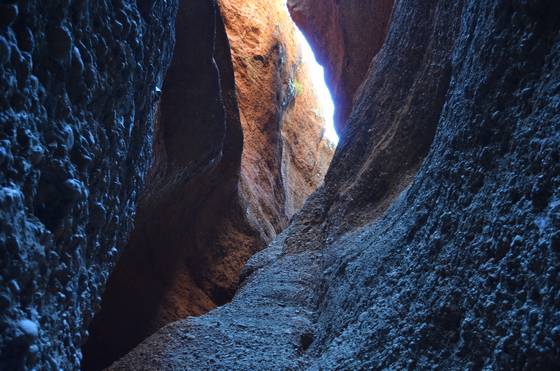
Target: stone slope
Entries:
(237, 150)
(448, 258)
(78, 85)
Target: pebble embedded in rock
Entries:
(8, 14)
(60, 42)
(37, 153)
(26, 40)
(14, 286)
(5, 51)
(73, 189)
(29, 329)
(5, 300)
(77, 62)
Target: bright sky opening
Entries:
(326, 104)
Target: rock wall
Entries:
(79, 82)
(194, 176)
(237, 150)
(434, 242)
(345, 36)
(285, 156)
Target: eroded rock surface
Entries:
(345, 36)
(285, 156)
(78, 85)
(434, 242)
(237, 150)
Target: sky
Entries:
(323, 93)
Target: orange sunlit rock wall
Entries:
(284, 156)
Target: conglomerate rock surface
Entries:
(238, 147)
(78, 84)
(434, 242)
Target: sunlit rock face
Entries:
(434, 241)
(78, 84)
(238, 147)
(285, 156)
(346, 35)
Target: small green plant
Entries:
(298, 87)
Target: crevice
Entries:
(212, 197)
(197, 149)
(432, 243)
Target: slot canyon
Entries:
(170, 198)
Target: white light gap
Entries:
(326, 104)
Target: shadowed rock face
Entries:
(434, 242)
(237, 150)
(78, 85)
(345, 35)
(196, 157)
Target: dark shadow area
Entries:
(192, 181)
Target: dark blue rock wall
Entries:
(79, 81)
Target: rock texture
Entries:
(434, 242)
(285, 156)
(238, 147)
(345, 36)
(78, 85)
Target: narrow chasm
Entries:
(240, 141)
(185, 185)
